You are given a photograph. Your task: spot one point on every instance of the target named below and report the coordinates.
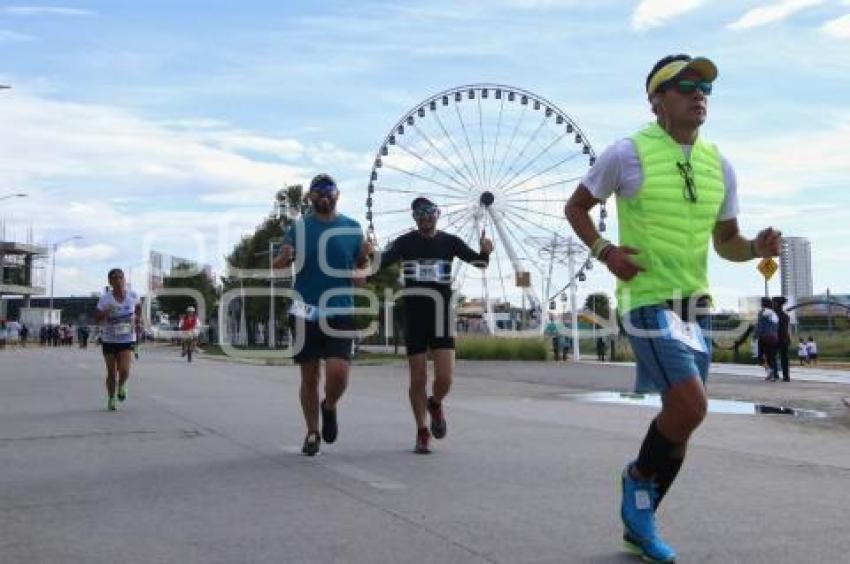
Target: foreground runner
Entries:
(326, 306)
(427, 256)
(120, 312)
(674, 193)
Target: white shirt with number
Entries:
(120, 317)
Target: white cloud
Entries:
(96, 252)
(245, 141)
(839, 27)
(116, 179)
(772, 13)
(654, 13)
(106, 146)
(9, 36)
(45, 11)
(781, 166)
(540, 4)
(196, 123)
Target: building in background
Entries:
(22, 272)
(795, 262)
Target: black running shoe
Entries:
(329, 426)
(438, 420)
(422, 437)
(311, 444)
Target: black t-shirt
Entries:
(427, 261)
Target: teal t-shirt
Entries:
(341, 240)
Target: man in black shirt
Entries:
(426, 255)
(784, 339)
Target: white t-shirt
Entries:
(618, 171)
(119, 326)
(802, 350)
(812, 348)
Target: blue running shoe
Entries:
(638, 517)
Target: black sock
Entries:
(654, 454)
(665, 476)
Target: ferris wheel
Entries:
(496, 159)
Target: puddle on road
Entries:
(714, 405)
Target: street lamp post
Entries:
(53, 266)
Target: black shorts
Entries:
(316, 344)
(421, 324)
(115, 348)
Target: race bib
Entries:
(122, 329)
(304, 311)
(427, 273)
(688, 333)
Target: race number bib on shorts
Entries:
(688, 333)
(304, 311)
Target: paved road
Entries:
(202, 465)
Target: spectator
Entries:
(767, 332)
(553, 332)
(803, 352)
(13, 331)
(784, 343)
(812, 350)
(600, 349)
(3, 331)
(25, 333)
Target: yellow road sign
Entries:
(768, 268)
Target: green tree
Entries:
(253, 251)
(598, 303)
(186, 276)
(377, 284)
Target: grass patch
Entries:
(496, 348)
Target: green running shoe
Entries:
(122, 392)
(111, 405)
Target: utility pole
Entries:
(829, 311)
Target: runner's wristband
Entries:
(598, 246)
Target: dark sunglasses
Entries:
(426, 211)
(688, 86)
(323, 186)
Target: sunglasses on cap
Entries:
(687, 86)
(426, 211)
(324, 187)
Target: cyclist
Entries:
(189, 329)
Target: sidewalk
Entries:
(803, 374)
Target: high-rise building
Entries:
(795, 263)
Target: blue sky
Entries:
(162, 122)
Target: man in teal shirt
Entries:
(327, 247)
